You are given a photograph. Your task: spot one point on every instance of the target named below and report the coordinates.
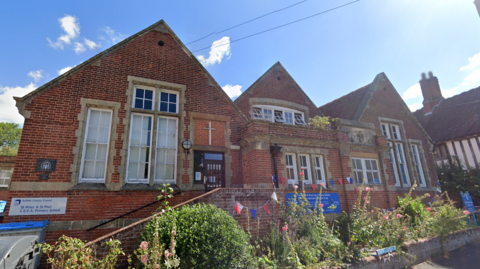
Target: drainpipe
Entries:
(274, 150)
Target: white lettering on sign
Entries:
(37, 206)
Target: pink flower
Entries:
(466, 212)
(321, 184)
(428, 194)
(167, 253)
(404, 227)
(144, 258)
(295, 186)
(367, 188)
(399, 216)
(386, 217)
(144, 245)
(321, 205)
(301, 173)
(284, 228)
(367, 202)
(303, 168)
(429, 209)
(157, 266)
(174, 232)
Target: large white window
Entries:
(393, 164)
(291, 168)
(278, 114)
(5, 177)
(319, 170)
(418, 166)
(95, 148)
(305, 167)
(366, 169)
(402, 164)
(139, 148)
(166, 154)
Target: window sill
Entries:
(146, 187)
(89, 187)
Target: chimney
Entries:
(477, 3)
(432, 95)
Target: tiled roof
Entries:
(455, 117)
(346, 106)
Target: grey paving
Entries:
(466, 257)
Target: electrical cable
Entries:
(280, 26)
(248, 21)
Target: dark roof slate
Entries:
(455, 117)
(346, 106)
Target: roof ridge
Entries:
(361, 88)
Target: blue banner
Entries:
(327, 200)
(467, 201)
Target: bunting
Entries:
(254, 213)
(356, 190)
(274, 197)
(238, 208)
(439, 190)
(323, 185)
(350, 180)
(273, 178)
(384, 211)
(283, 180)
(314, 187)
(265, 207)
(332, 183)
(340, 181)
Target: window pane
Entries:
(166, 149)
(213, 156)
(99, 169)
(163, 107)
(101, 152)
(148, 105)
(173, 98)
(139, 93)
(90, 151)
(368, 165)
(149, 95)
(319, 175)
(172, 108)
(164, 97)
(92, 134)
(103, 133)
(374, 165)
(88, 169)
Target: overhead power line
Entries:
(280, 26)
(278, 10)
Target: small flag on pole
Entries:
(265, 207)
(314, 187)
(238, 208)
(283, 180)
(340, 181)
(254, 212)
(332, 183)
(274, 197)
(350, 180)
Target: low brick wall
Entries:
(424, 249)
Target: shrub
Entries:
(207, 237)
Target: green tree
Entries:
(10, 134)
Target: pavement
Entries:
(466, 257)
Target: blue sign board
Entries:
(327, 200)
(468, 204)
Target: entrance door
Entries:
(210, 169)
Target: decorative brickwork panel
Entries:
(209, 133)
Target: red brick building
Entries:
(105, 134)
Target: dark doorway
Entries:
(209, 169)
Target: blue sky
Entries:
(328, 55)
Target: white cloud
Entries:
(9, 111)
(90, 44)
(232, 91)
(473, 62)
(472, 79)
(114, 37)
(412, 92)
(414, 107)
(219, 49)
(451, 92)
(72, 29)
(36, 75)
(79, 48)
(64, 70)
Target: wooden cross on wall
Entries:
(209, 128)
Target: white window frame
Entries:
(319, 167)
(174, 180)
(268, 114)
(259, 114)
(139, 180)
(418, 165)
(402, 161)
(168, 103)
(299, 120)
(364, 170)
(307, 167)
(135, 96)
(292, 166)
(279, 116)
(386, 130)
(393, 164)
(285, 114)
(5, 177)
(396, 134)
(81, 179)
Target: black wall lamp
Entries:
(187, 145)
